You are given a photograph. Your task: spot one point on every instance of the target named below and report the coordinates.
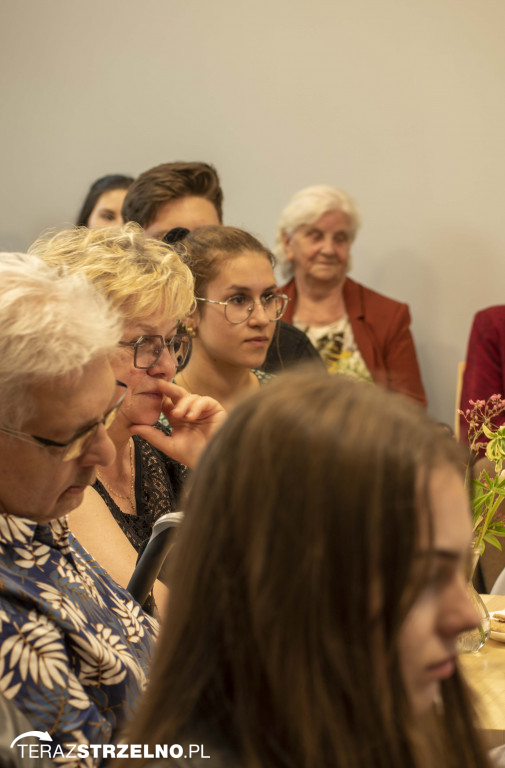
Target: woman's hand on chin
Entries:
(193, 420)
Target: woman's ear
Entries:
(191, 323)
(286, 241)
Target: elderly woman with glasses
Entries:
(75, 647)
(238, 305)
(153, 290)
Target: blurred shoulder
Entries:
(490, 316)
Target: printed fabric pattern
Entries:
(262, 376)
(337, 346)
(75, 648)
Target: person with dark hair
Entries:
(102, 206)
(238, 306)
(175, 195)
(317, 590)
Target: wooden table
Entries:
(485, 671)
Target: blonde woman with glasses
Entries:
(153, 290)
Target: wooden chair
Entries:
(459, 387)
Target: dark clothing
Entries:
(158, 484)
(289, 346)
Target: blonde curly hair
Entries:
(140, 276)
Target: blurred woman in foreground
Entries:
(318, 589)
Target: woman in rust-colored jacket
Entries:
(357, 330)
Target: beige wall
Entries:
(398, 102)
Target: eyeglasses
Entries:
(147, 349)
(75, 447)
(239, 308)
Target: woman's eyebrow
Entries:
(150, 330)
(248, 287)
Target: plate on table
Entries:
(498, 636)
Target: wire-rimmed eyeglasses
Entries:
(147, 349)
(238, 309)
(74, 448)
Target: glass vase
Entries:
(473, 640)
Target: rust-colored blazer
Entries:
(381, 328)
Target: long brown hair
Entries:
(306, 503)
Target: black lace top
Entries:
(158, 484)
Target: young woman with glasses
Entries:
(146, 280)
(238, 305)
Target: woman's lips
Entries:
(258, 341)
(75, 490)
(443, 669)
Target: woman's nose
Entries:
(164, 366)
(100, 449)
(459, 614)
(258, 314)
(329, 245)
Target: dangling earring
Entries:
(191, 331)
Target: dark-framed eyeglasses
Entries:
(238, 309)
(74, 448)
(147, 349)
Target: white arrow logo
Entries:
(42, 735)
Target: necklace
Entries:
(130, 497)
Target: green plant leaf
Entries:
(491, 539)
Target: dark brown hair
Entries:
(171, 181)
(305, 504)
(104, 184)
(207, 248)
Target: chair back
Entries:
(459, 387)
(154, 555)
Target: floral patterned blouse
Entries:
(75, 648)
(337, 346)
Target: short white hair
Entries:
(51, 325)
(306, 207)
